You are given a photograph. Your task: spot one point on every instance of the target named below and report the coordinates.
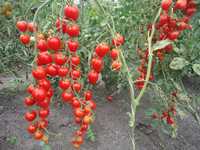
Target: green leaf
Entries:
(178, 50)
(161, 44)
(196, 68)
(178, 63)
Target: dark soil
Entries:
(111, 125)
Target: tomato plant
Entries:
(75, 46)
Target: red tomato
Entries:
(62, 71)
(166, 4)
(114, 54)
(173, 35)
(52, 70)
(92, 104)
(164, 18)
(29, 101)
(32, 27)
(50, 93)
(118, 40)
(44, 83)
(21, 26)
(180, 4)
(60, 59)
(38, 135)
(78, 120)
(42, 45)
(43, 113)
(73, 30)
(93, 77)
(64, 84)
(31, 128)
(39, 94)
(45, 103)
(73, 45)
(77, 87)
(30, 89)
(75, 60)
(39, 73)
(102, 49)
(67, 97)
(75, 74)
(88, 95)
(54, 43)
(79, 112)
(30, 116)
(75, 102)
(71, 12)
(25, 39)
(170, 120)
(97, 64)
(44, 58)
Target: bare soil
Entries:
(110, 128)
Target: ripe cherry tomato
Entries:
(44, 58)
(54, 43)
(30, 89)
(77, 87)
(21, 26)
(30, 116)
(97, 64)
(75, 102)
(64, 84)
(52, 70)
(93, 77)
(43, 113)
(102, 49)
(72, 45)
(32, 27)
(79, 112)
(88, 95)
(62, 71)
(31, 128)
(71, 12)
(42, 45)
(29, 101)
(67, 97)
(73, 30)
(60, 59)
(75, 74)
(39, 73)
(38, 135)
(25, 39)
(118, 40)
(114, 54)
(39, 94)
(166, 4)
(75, 60)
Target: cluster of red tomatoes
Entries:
(58, 58)
(166, 115)
(168, 27)
(25, 28)
(101, 51)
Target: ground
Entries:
(111, 125)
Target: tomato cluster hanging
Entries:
(169, 27)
